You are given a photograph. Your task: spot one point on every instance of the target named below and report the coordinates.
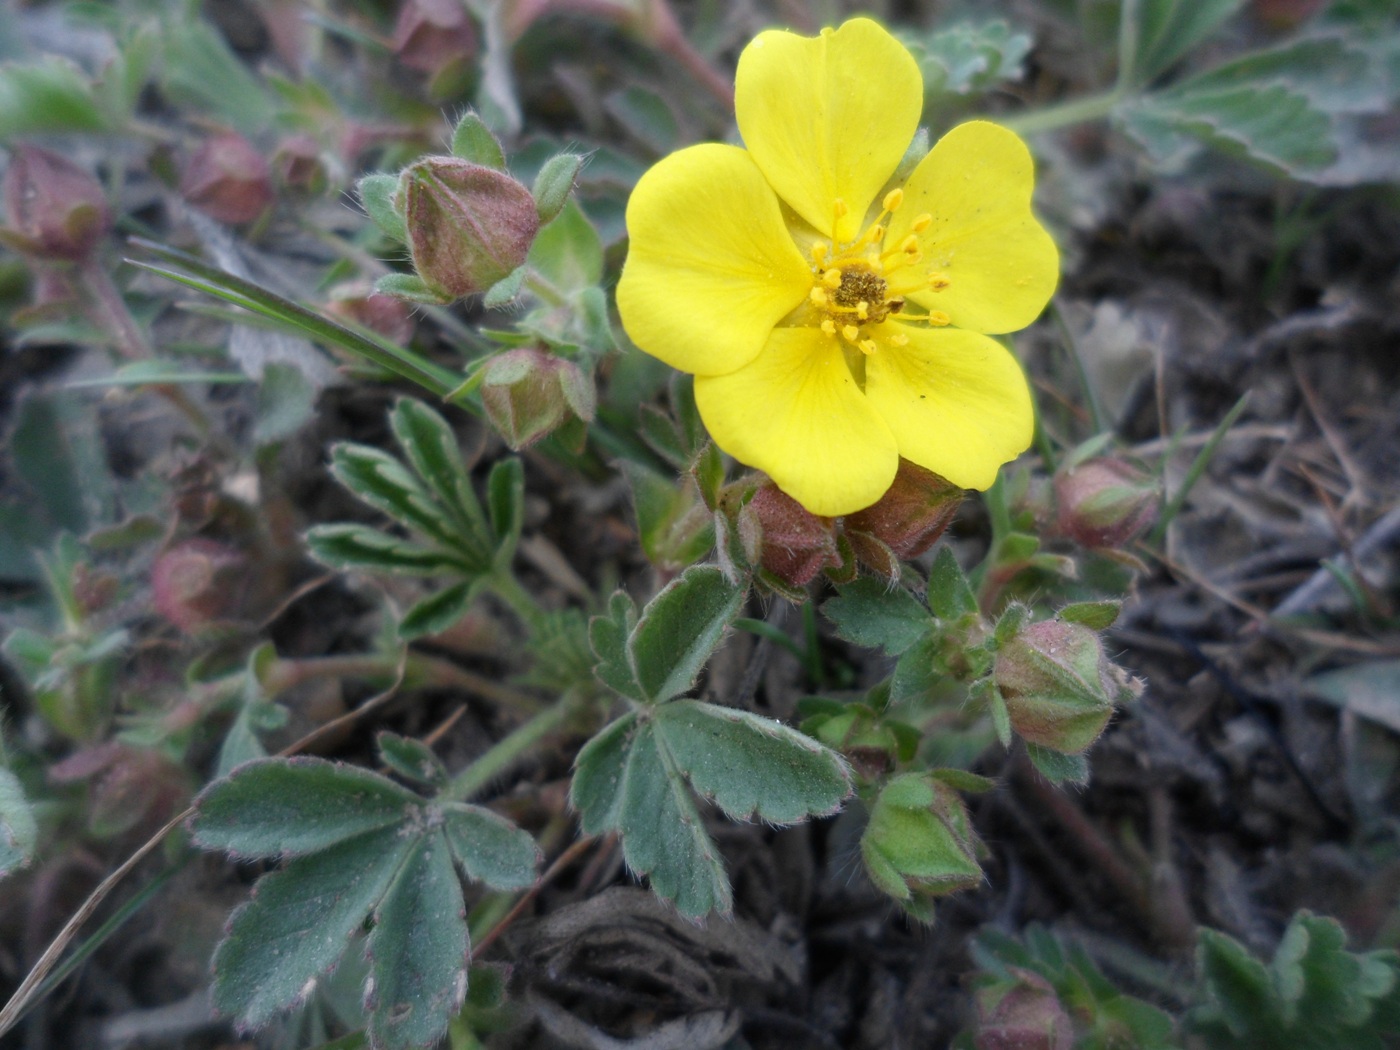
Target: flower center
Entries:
(862, 283)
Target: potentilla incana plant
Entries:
(835, 309)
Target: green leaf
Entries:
(674, 526)
(432, 449)
(647, 116)
(969, 57)
(286, 403)
(489, 848)
(418, 951)
(19, 834)
(680, 628)
(568, 252)
(1270, 124)
(752, 766)
(361, 547)
(298, 924)
(288, 806)
(949, 594)
(1334, 72)
(1168, 29)
(410, 287)
(382, 481)
(200, 71)
(918, 670)
(411, 758)
(48, 96)
(554, 184)
(472, 140)
(439, 611)
(1058, 767)
(869, 613)
(608, 635)
(378, 196)
(505, 501)
(627, 781)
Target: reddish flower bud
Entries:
(1105, 502)
(1059, 687)
(1027, 1015)
(529, 393)
(431, 34)
(468, 226)
(228, 179)
(54, 208)
(384, 314)
(910, 517)
(298, 164)
(197, 582)
(796, 544)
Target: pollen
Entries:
(851, 332)
(893, 200)
(829, 326)
(818, 295)
(867, 346)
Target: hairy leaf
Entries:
(490, 848)
(871, 614)
(348, 546)
(18, 831)
(679, 629)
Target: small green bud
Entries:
(919, 843)
(554, 183)
(469, 226)
(1105, 503)
(1058, 686)
(529, 393)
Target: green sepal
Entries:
(1058, 767)
(505, 291)
(472, 140)
(950, 596)
(1097, 616)
(379, 196)
(554, 183)
(411, 288)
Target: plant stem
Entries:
(517, 598)
(507, 751)
(1078, 111)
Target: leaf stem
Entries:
(1066, 114)
(506, 587)
(508, 750)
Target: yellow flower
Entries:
(834, 323)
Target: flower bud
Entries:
(384, 314)
(796, 544)
(919, 843)
(910, 517)
(298, 164)
(54, 208)
(228, 180)
(1059, 687)
(432, 34)
(529, 393)
(196, 583)
(468, 226)
(1026, 1015)
(1105, 502)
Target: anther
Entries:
(829, 326)
(820, 250)
(893, 200)
(922, 223)
(818, 295)
(899, 339)
(938, 281)
(909, 245)
(832, 278)
(851, 332)
(867, 346)
(863, 310)
(938, 318)
(840, 208)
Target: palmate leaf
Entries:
(635, 777)
(363, 848)
(870, 614)
(18, 831)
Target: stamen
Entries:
(832, 278)
(839, 209)
(899, 339)
(893, 200)
(909, 245)
(875, 233)
(863, 310)
(818, 295)
(867, 346)
(820, 251)
(937, 318)
(922, 223)
(938, 281)
(851, 332)
(829, 326)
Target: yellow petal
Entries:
(828, 117)
(1001, 265)
(957, 402)
(711, 267)
(797, 414)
